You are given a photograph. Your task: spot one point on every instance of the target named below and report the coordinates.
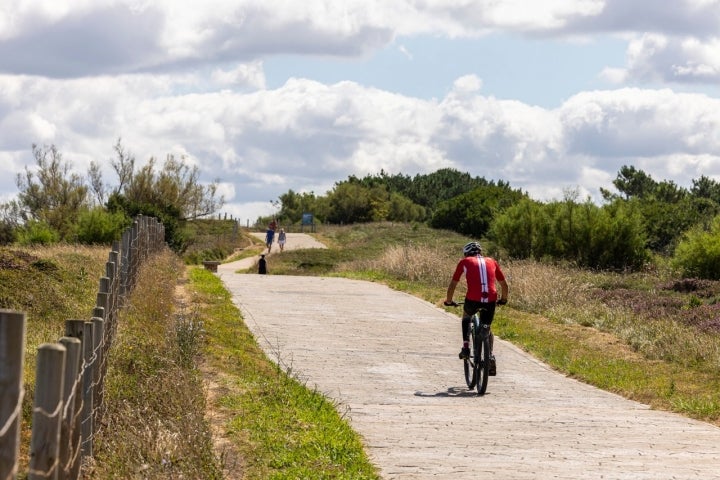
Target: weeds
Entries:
(189, 334)
(156, 425)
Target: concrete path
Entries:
(390, 360)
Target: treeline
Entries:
(639, 219)
(55, 205)
(435, 198)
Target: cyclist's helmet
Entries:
(472, 248)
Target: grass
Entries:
(215, 240)
(155, 425)
(50, 285)
(282, 429)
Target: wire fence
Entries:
(69, 384)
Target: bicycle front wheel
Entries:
(469, 363)
(469, 373)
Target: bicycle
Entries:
(477, 366)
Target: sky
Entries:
(267, 96)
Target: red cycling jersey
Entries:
(480, 274)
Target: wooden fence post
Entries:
(124, 265)
(48, 407)
(99, 363)
(12, 357)
(88, 427)
(76, 329)
(69, 448)
(134, 255)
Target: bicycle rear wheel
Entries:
(482, 363)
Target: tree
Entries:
(431, 189)
(293, 205)
(51, 194)
(176, 185)
(472, 213)
(402, 209)
(124, 166)
(96, 182)
(517, 229)
(350, 203)
(632, 183)
(705, 187)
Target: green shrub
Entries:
(610, 237)
(35, 232)
(698, 253)
(98, 226)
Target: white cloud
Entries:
(660, 58)
(250, 75)
(615, 76)
(170, 77)
(467, 84)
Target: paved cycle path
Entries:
(390, 361)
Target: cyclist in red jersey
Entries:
(481, 275)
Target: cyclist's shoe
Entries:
(492, 371)
(464, 353)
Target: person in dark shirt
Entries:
(262, 265)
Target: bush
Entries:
(698, 253)
(35, 232)
(7, 233)
(610, 237)
(98, 226)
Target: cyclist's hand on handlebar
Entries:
(451, 303)
(502, 301)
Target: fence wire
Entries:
(138, 243)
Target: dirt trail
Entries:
(390, 359)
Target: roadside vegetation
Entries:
(651, 336)
(155, 419)
(179, 331)
(50, 284)
(279, 428)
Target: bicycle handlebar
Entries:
(457, 304)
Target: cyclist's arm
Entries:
(450, 291)
(503, 290)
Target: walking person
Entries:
(269, 236)
(281, 239)
(481, 275)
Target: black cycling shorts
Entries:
(486, 310)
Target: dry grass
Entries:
(155, 419)
(416, 263)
